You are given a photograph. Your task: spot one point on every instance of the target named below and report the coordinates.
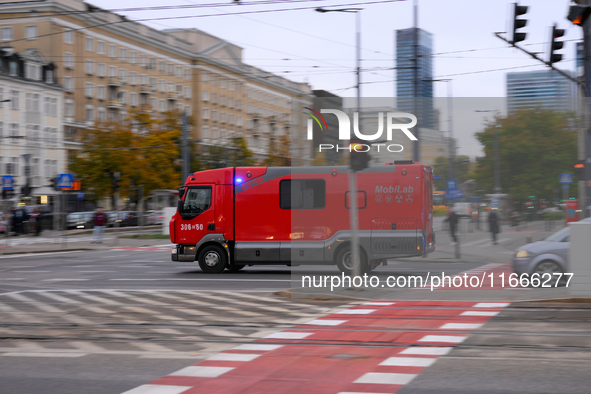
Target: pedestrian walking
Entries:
(452, 219)
(100, 220)
(493, 225)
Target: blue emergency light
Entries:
(238, 180)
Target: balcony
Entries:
(115, 82)
(114, 104)
(173, 96)
(146, 89)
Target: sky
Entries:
(319, 48)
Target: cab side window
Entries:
(197, 200)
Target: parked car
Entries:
(80, 220)
(122, 218)
(155, 216)
(547, 256)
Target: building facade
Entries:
(406, 40)
(111, 67)
(31, 131)
(545, 88)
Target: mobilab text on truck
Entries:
(231, 217)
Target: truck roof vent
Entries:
(403, 162)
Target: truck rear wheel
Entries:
(212, 259)
(347, 264)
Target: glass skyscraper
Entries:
(405, 88)
(545, 88)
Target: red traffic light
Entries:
(579, 165)
(578, 14)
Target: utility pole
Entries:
(416, 152)
(184, 150)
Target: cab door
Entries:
(197, 217)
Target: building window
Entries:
(33, 71)
(188, 110)
(123, 97)
(100, 47)
(101, 69)
(162, 66)
(123, 75)
(31, 32)
(123, 54)
(12, 68)
(230, 85)
(231, 119)
(89, 67)
(222, 117)
(205, 113)
(171, 69)
(153, 82)
(179, 89)
(69, 60)
(32, 102)
(214, 98)
(204, 76)
(187, 92)
(239, 105)
(133, 78)
(179, 71)
(143, 79)
(205, 95)
(223, 100)
(89, 113)
(49, 76)
(112, 50)
(6, 33)
(89, 89)
(214, 79)
(214, 115)
(223, 83)
(69, 84)
(162, 86)
(112, 71)
(143, 60)
(69, 108)
(171, 87)
(89, 44)
(162, 105)
(12, 166)
(152, 63)
(153, 102)
(101, 92)
(14, 99)
(133, 99)
(133, 57)
(68, 36)
(205, 131)
(102, 114)
(239, 121)
(231, 102)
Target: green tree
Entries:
(535, 146)
(320, 160)
(279, 152)
(441, 168)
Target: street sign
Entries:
(452, 184)
(436, 176)
(80, 195)
(64, 181)
(566, 178)
(454, 194)
(7, 182)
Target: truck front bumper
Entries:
(184, 253)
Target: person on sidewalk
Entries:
(493, 224)
(452, 218)
(100, 220)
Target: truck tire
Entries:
(234, 267)
(347, 264)
(212, 259)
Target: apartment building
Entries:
(31, 145)
(110, 66)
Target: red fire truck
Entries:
(231, 217)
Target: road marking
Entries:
(37, 254)
(427, 351)
(3, 279)
(196, 279)
(31, 272)
(386, 378)
(408, 362)
(158, 389)
(59, 298)
(34, 303)
(442, 338)
(233, 357)
(460, 326)
(326, 322)
(491, 305)
(355, 311)
(478, 313)
(378, 303)
(256, 346)
(288, 335)
(43, 354)
(94, 272)
(151, 347)
(476, 242)
(202, 372)
(87, 347)
(64, 280)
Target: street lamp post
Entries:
(497, 163)
(353, 176)
(451, 144)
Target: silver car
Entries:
(547, 256)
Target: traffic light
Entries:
(578, 14)
(518, 10)
(359, 156)
(53, 183)
(555, 45)
(580, 170)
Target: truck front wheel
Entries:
(212, 259)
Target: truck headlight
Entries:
(521, 253)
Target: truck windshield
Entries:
(197, 200)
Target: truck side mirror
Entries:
(181, 192)
(180, 205)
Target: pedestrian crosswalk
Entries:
(143, 323)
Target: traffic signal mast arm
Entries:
(575, 80)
